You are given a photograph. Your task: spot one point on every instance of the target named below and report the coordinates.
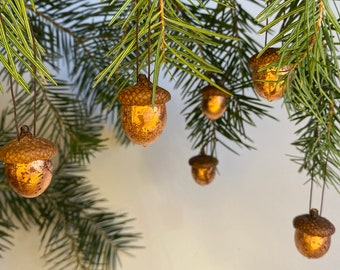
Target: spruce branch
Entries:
(172, 40)
(18, 45)
(309, 34)
(231, 56)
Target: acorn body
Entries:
(267, 81)
(143, 122)
(29, 180)
(28, 165)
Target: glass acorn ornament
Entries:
(28, 165)
(313, 234)
(266, 81)
(203, 168)
(143, 122)
(214, 102)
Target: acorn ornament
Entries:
(203, 168)
(214, 102)
(313, 234)
(142, 121)
(267, 81)
(28, 165)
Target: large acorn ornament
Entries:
(266, 81)
(28, 165)
(313, 234)
(203, 168)
(142, 121)
(214, 102)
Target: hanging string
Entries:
(324, 183)
(322, 195)
(311, 193)
(137, 44)
(14, 107)
(149, 44)
(34, 85)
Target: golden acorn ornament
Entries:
(203, 168)
(28, 165)
(313, 234)
(266, 81)
(214, 102)
(142, 121)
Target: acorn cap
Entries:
(269, 56)
(313, 224)
(203, 161)
(211, 90)
(141, 93)
(27, 149)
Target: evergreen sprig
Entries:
(19, 46)
(165, 39)
(309, 34)
(231, 56)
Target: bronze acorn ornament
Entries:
(313, 234)
(267, 81)
(203, 168)
(142, 121)
(28, 165)
(214, 102)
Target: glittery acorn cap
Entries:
(313, 224)
(141, 93)
(27, 148)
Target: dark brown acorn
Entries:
(203, 168)
(313, 234)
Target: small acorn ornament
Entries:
(28, 165)
(203, 168)
(214, 102)
(313, 234)
(142, 122)
(266, 81)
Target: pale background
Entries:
(241, 221)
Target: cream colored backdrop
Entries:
(241, 221)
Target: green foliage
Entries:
(18, 45)
(168, 33)
(231, 56)
(309, 34)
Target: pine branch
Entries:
(78, 34)
(232, 57)
(75, 230)
(19, 47)
(309, 35)
(171, 40)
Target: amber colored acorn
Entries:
(203, 168)
(142, 121)
(214, 102)
(313, 234)
(266, 81)
(28, 165)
